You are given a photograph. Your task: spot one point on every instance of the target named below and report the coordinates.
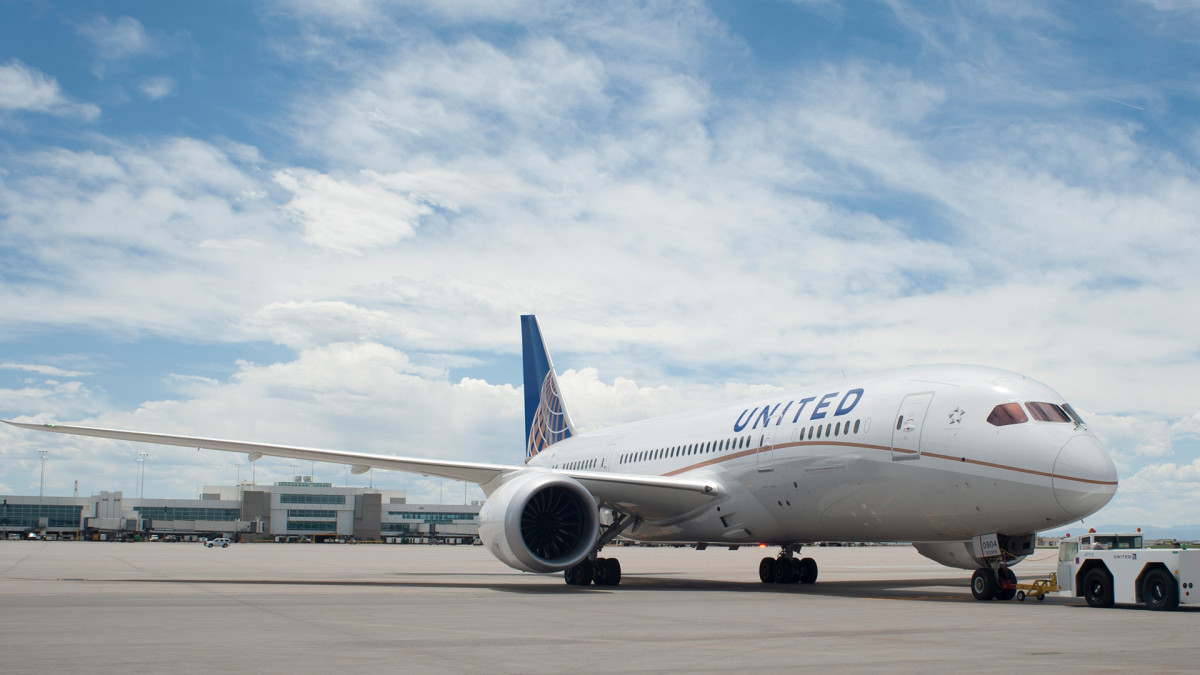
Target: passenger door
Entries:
(766, 449)
(906, 430)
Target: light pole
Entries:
(42, 488)
(239, 472)
(141, 486)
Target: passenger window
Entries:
(856, 426)
(1006, 414)
(1046, 412)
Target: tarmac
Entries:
(74, 607)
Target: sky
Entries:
(315, 223)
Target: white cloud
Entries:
(593, 164)
(42, 369)
(1160, 495)
(117, 39)
(306, 325)
(348, 216)
(25, 88)
(365, 396)
(155, 88)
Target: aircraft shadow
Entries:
(949, 589)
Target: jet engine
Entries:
(540, 521)
(961, 554)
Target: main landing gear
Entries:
(601, 571)
(997, 583)
(787, 569)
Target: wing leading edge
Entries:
(472, 472)
(652, 497)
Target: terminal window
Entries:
(311, 499)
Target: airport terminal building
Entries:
(298, 510)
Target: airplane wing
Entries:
(472, 472)
(652, 497)
(655, 498)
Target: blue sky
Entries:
(317, 223)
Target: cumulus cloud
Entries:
(676, 214)
(346, 215)
(309, 324)
(363, 396)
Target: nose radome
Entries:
(1085, 478)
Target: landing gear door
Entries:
(906, 431)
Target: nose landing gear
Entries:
(994, 584)
(787, 569)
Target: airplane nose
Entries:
(1085, 478)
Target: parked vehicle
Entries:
(1109, 568)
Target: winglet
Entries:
(546, 419)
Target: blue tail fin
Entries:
(546, 419)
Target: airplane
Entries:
(967, 463)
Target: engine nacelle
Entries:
(540, 521)
(961, 554)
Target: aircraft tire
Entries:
(808, 571)
(607, 572)
(783, 571)
(587, 572)
(797, 571)
(613, 571)
(600, 572)
(1160, 590)
(766, 570)
(1006, 593)
(984, 584)
(1098, 588)
(579, 575)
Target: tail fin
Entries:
(546, 419)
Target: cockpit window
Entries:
(1047, 412)
(1074, 415)
(1006, 414)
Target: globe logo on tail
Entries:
(549, 421)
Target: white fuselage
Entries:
(907, 455)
